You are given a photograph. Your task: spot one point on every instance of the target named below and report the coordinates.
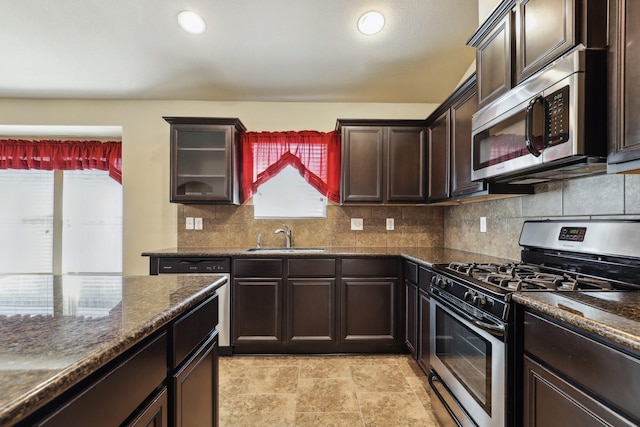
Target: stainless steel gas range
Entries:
(471, 320)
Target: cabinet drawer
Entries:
(193, 328)
(603, 370)
(195, 387)
(155, 413)
(411, 272)
(370, 267)
(257, 268)
(113, 398)
(319, 267)
(424, 278)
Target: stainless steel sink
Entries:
(285, 250)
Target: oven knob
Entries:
(469, 296)
(479, 301)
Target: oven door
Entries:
(470, 361)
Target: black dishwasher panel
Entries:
(193, 265)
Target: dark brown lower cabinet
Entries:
(411, 317)
(196, 396)
(552, 401)
(424, 336)
(305, 305)
(570, 378)
(257, 311)
(170, 378)
(369, 311)
(102, 402)
(311, 312)
(155, 413)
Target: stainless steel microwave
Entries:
(551, 126)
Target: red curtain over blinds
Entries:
(62, 155)
(316, 155)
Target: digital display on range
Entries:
(572, 234)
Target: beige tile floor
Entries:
(333, 390)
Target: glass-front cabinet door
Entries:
(205, 160)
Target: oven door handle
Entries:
(493, 329)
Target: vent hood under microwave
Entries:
(551, 126)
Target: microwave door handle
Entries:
(528, 132)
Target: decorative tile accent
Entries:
(632, 194)
(234, 226)
(611, 196)
(599, 195)
(547, 201)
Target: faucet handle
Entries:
(259, 244)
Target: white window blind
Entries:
(26, 221)
(90, 217)
(92, 223)
(288, 195)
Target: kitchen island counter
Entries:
(55, 331)
(612, 315)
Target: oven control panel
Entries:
(470, 299)
(572, 234)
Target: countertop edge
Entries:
(420, 255)
(28, 403)
(591, 326)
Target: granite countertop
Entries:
(613, 315)
(57, 330)
(422, 255)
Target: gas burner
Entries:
(473, 269)
(519, 276)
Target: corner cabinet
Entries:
(624, 88)
(205, 159)
(450, 152)
(439, 157)
(383, 161)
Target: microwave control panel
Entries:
(558, 116)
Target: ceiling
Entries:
(253, 50)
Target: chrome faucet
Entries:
(287, 234)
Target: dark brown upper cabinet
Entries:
(493, 59)
(383, 161)
(439, 149)
(205, 160)
(450, 152)
(521, 37)
(461, 113)
(624, 88)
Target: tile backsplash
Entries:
(602, 196)
(235, 226)
(456, 227)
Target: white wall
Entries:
(485, 7)
(149, 218)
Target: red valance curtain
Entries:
(316, 155)
(62, 155)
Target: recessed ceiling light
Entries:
(371, 23)
(191, 22)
